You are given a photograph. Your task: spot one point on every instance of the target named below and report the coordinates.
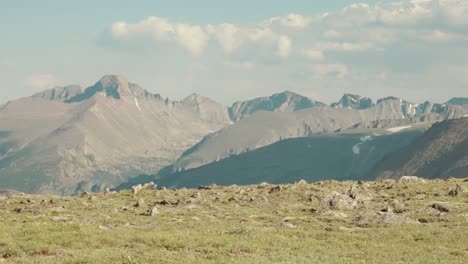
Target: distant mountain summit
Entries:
(60, 93)
(68, 140)
(281, 102)
(353, 101)
(113, 86)
(458, 101)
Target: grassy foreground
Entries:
(325, 222)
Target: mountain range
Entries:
(70, 139)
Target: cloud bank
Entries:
(410, 43)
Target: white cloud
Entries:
(191, 37)
(329, 70)
(284, 47)
(401, 39)
(313, 54)
(291, 20)
(40, 81)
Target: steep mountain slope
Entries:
(280, 102)
(441, 152)
(64, 141)
(335, 156)
(264, 128)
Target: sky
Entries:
(236, 50)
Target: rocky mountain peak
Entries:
(354, 101)
(280, 102)
(114, 86)
(59, 93)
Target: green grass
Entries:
(275, 227)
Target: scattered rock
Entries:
(302, 182)
(153, 211)
(420, 196)
(149, 186)
(338, 201)
(107, 190)
(391, 218)
(411, 180)
(57, 209)
(59, 219)
(92, 198)
(440, 207)
(353, 191)
(140, 203)
(275, 189)
(288, 225)
(457, 191)
(232, 199)
(394, 206)
(136, 189)
(203, 187)
(196, 195)
(263, 185)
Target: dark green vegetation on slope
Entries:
(413, 221)
(338, 156)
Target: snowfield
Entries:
(398, 129)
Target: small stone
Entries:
(149, 186)
(140, 203)
(440, 207)
(275, 189)
(353, 191)
(203, 187)
(232, 199)
(136, 189)
(93, 198)
(107, 190)
(302, 182)
(196, 195)
(457, 191)
(338, 201)
(288, 225)
(410, 180)
(153, 211)
(58, 219)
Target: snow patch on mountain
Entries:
(357, 148)
(398, 129)
(137, 104)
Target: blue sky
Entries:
(408, 48)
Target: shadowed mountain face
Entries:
(458, 101)
(263, 128)
(67, 140)
(441, 152)
(342, 156)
